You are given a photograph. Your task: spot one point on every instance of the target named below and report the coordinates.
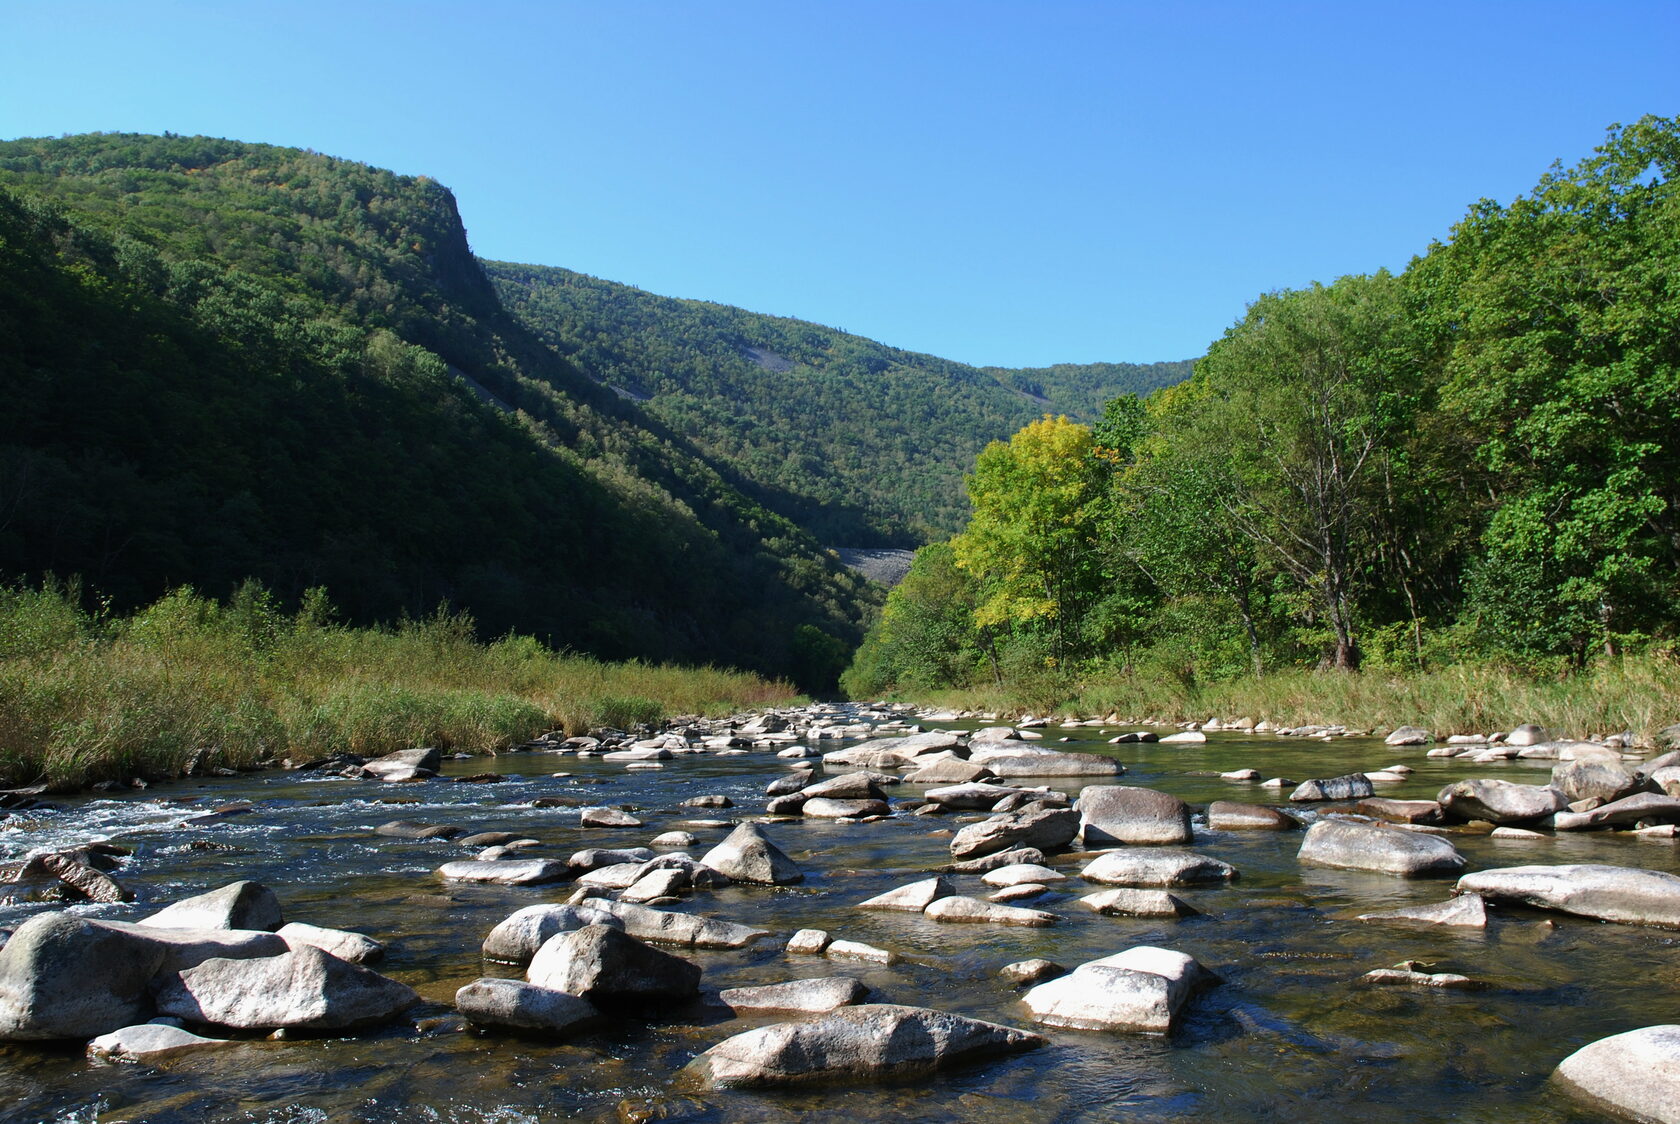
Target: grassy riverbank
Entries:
(87, 697)
(1639, 693)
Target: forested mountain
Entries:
(222, 361)
(1475, 459)
(861, 443)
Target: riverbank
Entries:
(1632, 693)
(191, 684)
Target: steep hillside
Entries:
(221, 360)
(860, 443)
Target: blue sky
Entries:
(1001, 183)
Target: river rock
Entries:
(1126, 902)
(618, 876)
(487, 839)
(1409, 974)
(913, 898)
(1527, 734)
(1634, 1074)
(952, 770)
(816, 995)
(1352, 786)
(354, 947)
(1230, 815)
(1499, 801)
(607, 817)
(594, 858)
(962, 909)
(1141, 867)
(892, 753)
(808, 942)
(666, 882)
(505, 872)
(63, 976)
(748, 855)
(1400, 811)
(1050, 764)
(859, 952)
(518, 936)
(865, 785)
(1110, 814)
(973, 795)
(238, 905)
(683, 929)
(1410, 735)
(1365, 846)
(788, 785)
(82, 879)
(1641, 807)
(1049, 830)
(873, 1042)
(1142, 988)
(1016, 874)
(149, 1042)
(674, 839)
(997, 860)
(1582, 780)
(413, 829)
(606, 965)
(524, 1006)
(826, 808)
(303, 988)
(1607, 893)
(1028, 972)
(1468, 911)
(406, 764)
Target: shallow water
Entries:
(1286, 1036)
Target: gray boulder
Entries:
(1049, 830)
(1400, 811)
(1051, 764)
(1410, 735)
(1126, 902)
(824, 994)
(972, 795)
(238, 905)
(607, 817)
(524, 1006)
(999, 859)
(1143, 988)
(413, 829)
(594, 858)
(913, 898)
(606, 966)
(829, 808)
(1230, 815)
(406, 764)
(949, 771)
(505, 872)
(354, 947)
(517, 937)
(1499, 802)
(303, 988)
(1156, 868)
(972, 910)
(747, 855)
(1018, 874)
(1390, 850)
(1634, 1074)
(1527, 734)
(865, 785)
(1111, 814)
(1352, 786)
(872, 1042)
(685, 930)
(891, 753)
(1641, 807)
(1607, 893)
(1583, 780)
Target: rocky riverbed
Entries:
(941, 920)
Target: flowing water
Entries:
(1287, 1036)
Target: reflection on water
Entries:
(1286, 1037)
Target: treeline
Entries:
(222, 361)
(860, 443)
(1475, 460)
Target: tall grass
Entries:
(1636, 692)
(85, 696)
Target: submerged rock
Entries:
(873, 1042)
(1465, 911)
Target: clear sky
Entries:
(1017, 183)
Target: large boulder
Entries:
(1112, 813)
(872, 1042)
(238, 905)
(303, 988)
(524, 1006)
(951, 770)
(1500, 802)
(1641, 807)
(824, 994)
(1352, 786)
(863, 785)
(1410, 735)
(1048, 830)
(1350, 845)
(1400, 811)
(605, 965)
(1143, 988)
(518, 936)
(1634, 1074)
(747, 855)
(1607, 893)
(892, 753)
(830, 808)
(1585, 780)
(972, 795)
(1156, 868)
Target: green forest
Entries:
(859, 443)
(1473, 461)
(224, 361)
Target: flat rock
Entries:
(1399, 811)
(1143, 988)
(1128, 902)
(505, 872)
(607, 966)
(1410, 735)
(913, 898)
(963, 909)
(1634, 1074)
(999, 859)
(1184, 737)
(872, 1042)
(1352, 786)
(238, 905)
(662, 926)
(864, 785)
(1051, 764)
(1139, 867)
(972, 795)
(808, 942)
(1110, 814)
(817, 995)
(303, 988)
(947, 772)
(1376, 847)
(1027, 972)
(1582, 780)
(149, 1042)
(1016, 874)
(1607, 893)
(1500, 802)
(1641, 807)
(748, 855)
(1467, 911)
(594, 858)
(517, 937)
(406, 764)
(860, 952)
(1230, 815)
(674, 839)
(524, 1006)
